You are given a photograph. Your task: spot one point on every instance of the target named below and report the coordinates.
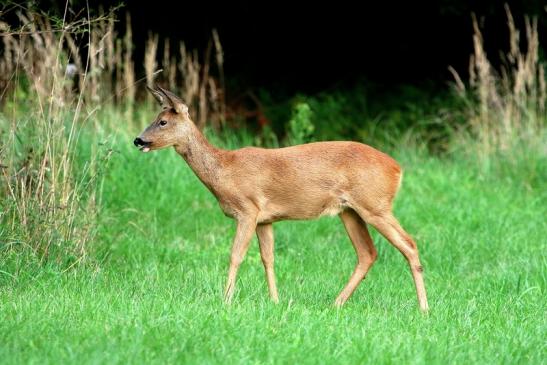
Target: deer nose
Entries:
(139, 142)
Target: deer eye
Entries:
(163, 122)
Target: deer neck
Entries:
(202, 157)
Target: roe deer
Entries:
(258, 187)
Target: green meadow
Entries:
(112, 256)
(151, 289)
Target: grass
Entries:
(111, 256)
(152, 293)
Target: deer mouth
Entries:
(142, 145)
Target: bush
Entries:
(300, 127)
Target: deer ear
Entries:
(158, 95)
(175, 102)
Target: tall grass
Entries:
(56, 75)
(99, 66)
(48, 202)
(504, 107)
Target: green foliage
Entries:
(163, 246)
(335, 115)
(419, 117)
(300, 128)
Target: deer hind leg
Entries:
(364, 248)
(242, 239)
(265, 236)
(390, 228)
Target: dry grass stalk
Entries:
(41, 198)
(119, 72)
(509, 105)
(128, 65)
(74, 57)
(110, 65)
(94, 50)
(169, 64)
(220, 99)
(199, 88)
(150, 63)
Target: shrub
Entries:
(300, 127)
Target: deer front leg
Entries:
(265, 236)
(244, 233)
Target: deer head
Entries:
(171, 124)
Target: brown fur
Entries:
(258, 186)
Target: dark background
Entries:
(308, 47)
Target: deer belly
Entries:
(300, 209)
